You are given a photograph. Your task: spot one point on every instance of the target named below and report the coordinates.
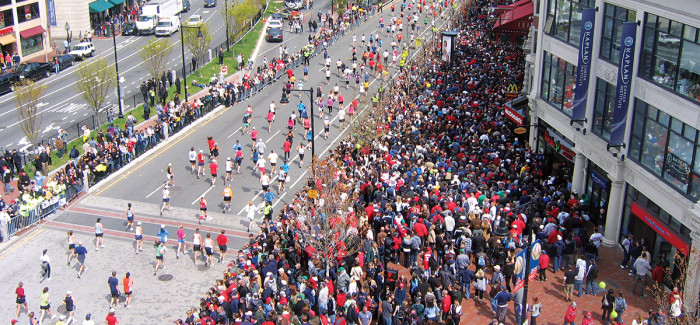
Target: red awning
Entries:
(32, 31)
(515, 18)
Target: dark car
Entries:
(274, 34)
(33, 70)
(209, 3)
(64, 61)
(186, 6)
(7, 82)
(129, 29)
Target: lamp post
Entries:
(67, 27)
(182, 46)
(284, 100)
(116, 67)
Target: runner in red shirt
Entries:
(202, 209)
(222, 240)
(287, 149)
(111, 319)
(200, 163)
(213, 168)
(212, 144)
(254, 135)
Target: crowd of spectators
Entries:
(445, 188)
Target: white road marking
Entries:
(234, 132)
(156, 190)
(203, 194)
(268, 140)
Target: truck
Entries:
(33, 70)
(167, 26)
(151, 12)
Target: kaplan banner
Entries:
(520, 263)
(583, 69)
(624, 83)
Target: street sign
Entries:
(224, 70)
(313, 194)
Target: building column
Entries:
(692, 275)
(578, 179)
(613, 220)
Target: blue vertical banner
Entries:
(624, 83)
(51, 9)
(583, 69)
(520, 265)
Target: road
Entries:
(62, 106)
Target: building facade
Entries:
(622, 109)
(23, 29)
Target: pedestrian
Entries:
(21, 299)
(637, 320)
(138, 235)
(99, 234)
(221, 56)
(208, 249)
(163, 234)
(569, 280)
(543, 265)
(169, 175)
(128, 284)
(202, 209)
(45, 266)
(213, 168)
(81, 252)
(69, 302)
(45, 305)
(166, 199)
(181, 246)
(502, 299)
(642, 268)
(88, 320)
(570, 316)
(591, 276)
(160, 250)
(113, 283)
(250, 213)
(535, 310)
(129, 218)
(111, 318)
(222, 240)
(192, 155)
(620, 306)
(239, 159)
(301, 149)
(281, 179)
(227, 193)
(196, 244)
(200, 163)
(229, 170)
(676, 308)
(32, 319)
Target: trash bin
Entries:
(107, 30)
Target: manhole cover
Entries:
(202, 268)
(165, 277)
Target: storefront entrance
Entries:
(597, 194)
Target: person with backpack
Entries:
(607, 304)
(620, 306)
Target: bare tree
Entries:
(27, 95)
(198, 46)
(678, 278)
(155, 56)
(327, 227)
(96, 79)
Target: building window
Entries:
(27, 12)
(558, 82)
(564, 19)
(6, 18)
(667, 148)
(32, 44)
(5, 3)
(671, 56)
(612, 31)
(604, 108)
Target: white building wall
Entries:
(76, 13)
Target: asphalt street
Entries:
(62, 105)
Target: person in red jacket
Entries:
(588, 319)
(570, 316)
(657, 274)
(420, 228)
(543, 264)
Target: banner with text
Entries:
(624, 83)
(583, 69)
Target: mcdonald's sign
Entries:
(512, 91)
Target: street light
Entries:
(284, 100)
(116, 67)
(67, 27)
(182, 46)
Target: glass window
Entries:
(27, 12)
(671, 56)
(5, 2)
(558, 81)
(564, 19)
(604, 105)
(6, 18)
(612, 31)
(32, 44)
(666, 147)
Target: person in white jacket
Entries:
(250, 213)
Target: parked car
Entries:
(274, 24)
(33, 70)
(83, 50)
(194, 21)
(129, 29)
(209, 3)
(7, 82)
(274, 34)
(669, 40)
(186, 6)
(64, 61)
(167, 26)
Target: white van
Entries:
(167, 26)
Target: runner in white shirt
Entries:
(261, 165)
(341, 116)
(326, 127)
(229, 169)
(193, 159)
(281, 178)
(272, 157)
(196, 244)
(265, 182)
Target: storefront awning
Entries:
(7, 39)
(36, 30)
(100, 6)
(515, 18)
(116, 2)
(514, 109)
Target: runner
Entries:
(227, 193)
(270, 119)
(160, 250)
(301, 149)
(265, 181)
(21, 299)
(261, 165)
(113, 283)
(138, 235)
(129, 218)
(193, 159)
(254, 135)
(213, 168)
(196, 244)
(200, 163)
(209, 249)
(111, 319)
(163, 234)
(169, 175)
(166, 200)
(246, 123)
(45, 305)
(326, 127)
(287, 147)
(272, 158)
(71, 246)
(99, 234)
(341, 116)
(222, 240)
(250, 213)
(128, 284)
(281, 178)
(239, 159)
(81, 252)
(180, 242)
(202, 210)
(212, 144)
(229, 169)
(45, 266)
